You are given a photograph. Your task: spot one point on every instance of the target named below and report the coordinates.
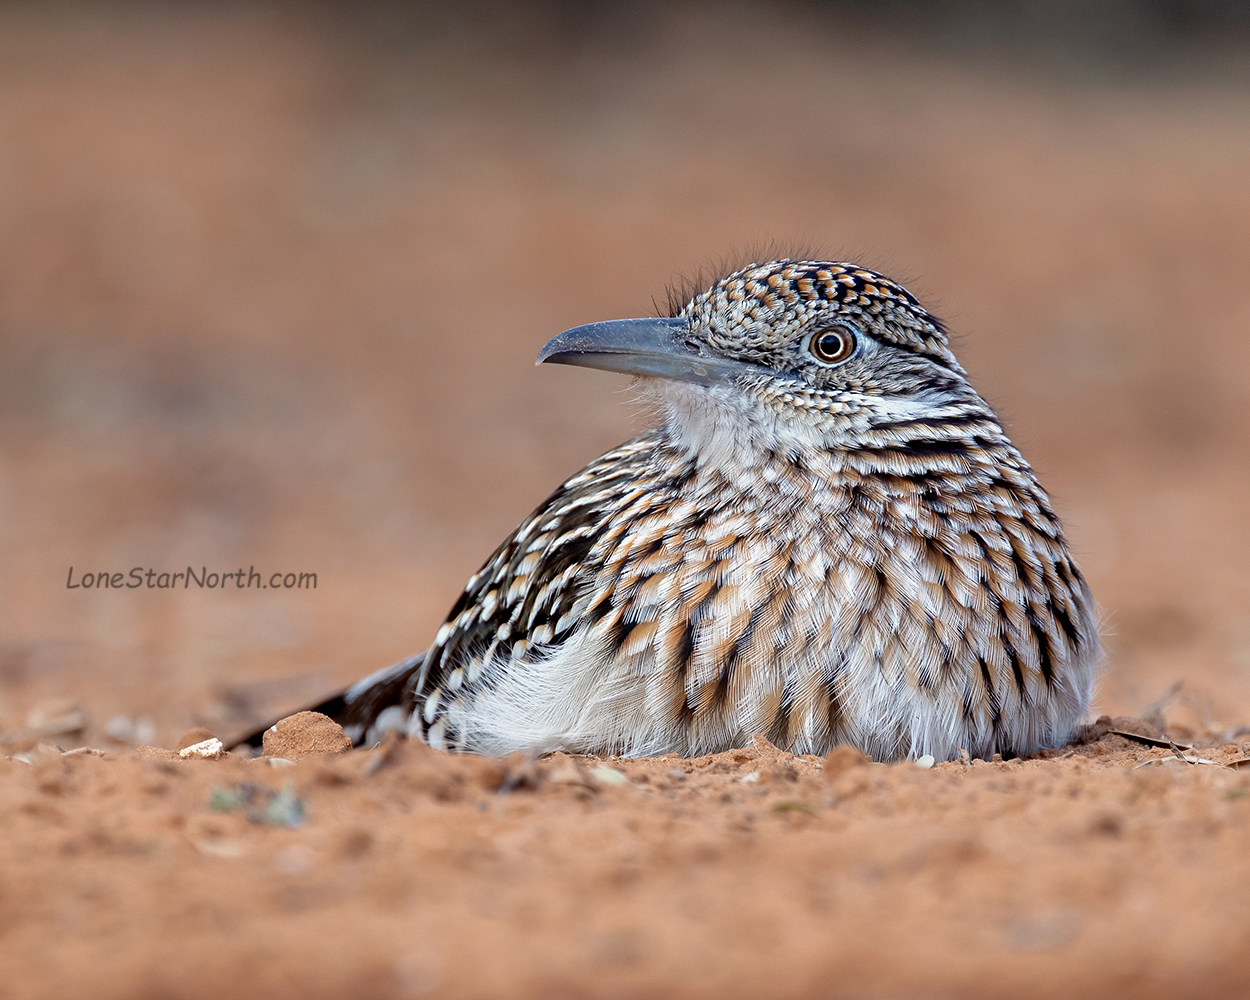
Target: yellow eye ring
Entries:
(832, 346)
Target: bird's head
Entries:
(792, 353)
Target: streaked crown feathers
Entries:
(763, 306)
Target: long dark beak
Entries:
(657, 347)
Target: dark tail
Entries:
(358, 708)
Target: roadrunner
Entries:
(829, 540)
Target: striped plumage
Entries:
(828, 540)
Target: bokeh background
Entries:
(272, 278)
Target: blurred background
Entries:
(273, 276)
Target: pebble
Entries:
(210, 748)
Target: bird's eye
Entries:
(832, 346)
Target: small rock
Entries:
(210, 748)
(305, 734)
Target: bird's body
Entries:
(829, 540)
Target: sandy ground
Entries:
(270, 291)
(1108, 869)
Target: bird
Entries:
(827, 540)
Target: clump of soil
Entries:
(402, 871)
(305, 734)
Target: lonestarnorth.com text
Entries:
(151, 579)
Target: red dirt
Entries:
(748, 873)
(270, 292)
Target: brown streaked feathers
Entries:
(824, 554)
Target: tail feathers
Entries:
(366, 714)
(364, 709)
